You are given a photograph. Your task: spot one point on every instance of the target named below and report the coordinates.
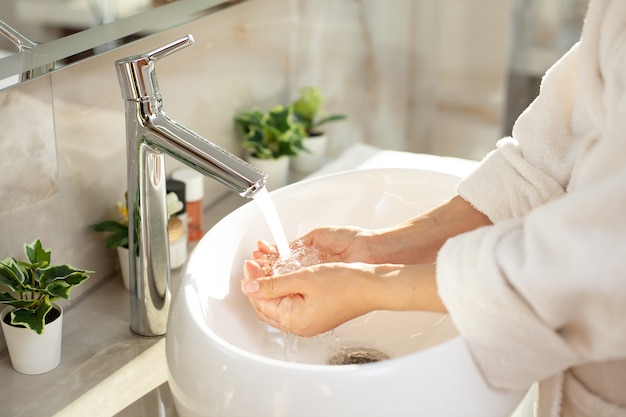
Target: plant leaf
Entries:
(62, 288)
(117, 239)
(308, 104)
(59, 289)
(9, 299)
(32, 319)
(58, 280)
(12, 275)
(248, 120)
(327, 119)
(108, 226)
(119, 232)
(59, 272)
(37, 255)
(308, 110)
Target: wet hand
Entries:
(339, 244)
(311, 300)
(319, 298)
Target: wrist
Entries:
(404, 288)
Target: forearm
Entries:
(403, 288)
(419, 239)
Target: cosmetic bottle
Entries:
(177, 226)
(194, 193)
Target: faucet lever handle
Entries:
(170, 48)
(137, 75)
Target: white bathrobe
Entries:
(541, 294)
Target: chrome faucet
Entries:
(150, 134)
(24, 44)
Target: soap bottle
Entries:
(194, 193)
(177, 226)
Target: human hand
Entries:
(311, 300)
(319, 298)
(337, 244)
(343, 244)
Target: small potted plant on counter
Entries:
(118, 231)
(118, 237)
(32, 323)
(308, 110)
(271, 139)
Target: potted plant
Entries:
(32, 322)
(308, 110)
(118, 231)
(118, 237)
(271, 138)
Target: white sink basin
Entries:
(222, 361)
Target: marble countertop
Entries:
(96, 343)
(105, 370)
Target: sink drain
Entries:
(357, 355)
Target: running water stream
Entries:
(291, 257)
(265, 203)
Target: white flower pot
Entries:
(307, 162)
(33, 353)
(277, 170)
(122, 254)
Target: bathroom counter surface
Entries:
(96, 344)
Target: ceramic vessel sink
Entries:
(222, 361)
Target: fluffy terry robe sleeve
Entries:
(544, 288)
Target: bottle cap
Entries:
(175, 229)
(194, 183)
(178, 187)
(178, 242)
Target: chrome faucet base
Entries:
(150, 135)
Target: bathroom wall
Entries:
(415, 75)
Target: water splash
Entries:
(301, 256)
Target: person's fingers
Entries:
(268, 288)
(267, 311)
(266, 254)
(266, 247)
(259, 309)
(251, 271)
(279, 312)
(261, 257)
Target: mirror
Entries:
(103, 30)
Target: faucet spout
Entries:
(204, 156)
(150, 135)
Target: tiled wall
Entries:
(422, 76)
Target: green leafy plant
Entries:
(118, 229)
(35, 284)
(118, 232)
(308, 110)
(272, 134)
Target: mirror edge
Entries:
(107, 37)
